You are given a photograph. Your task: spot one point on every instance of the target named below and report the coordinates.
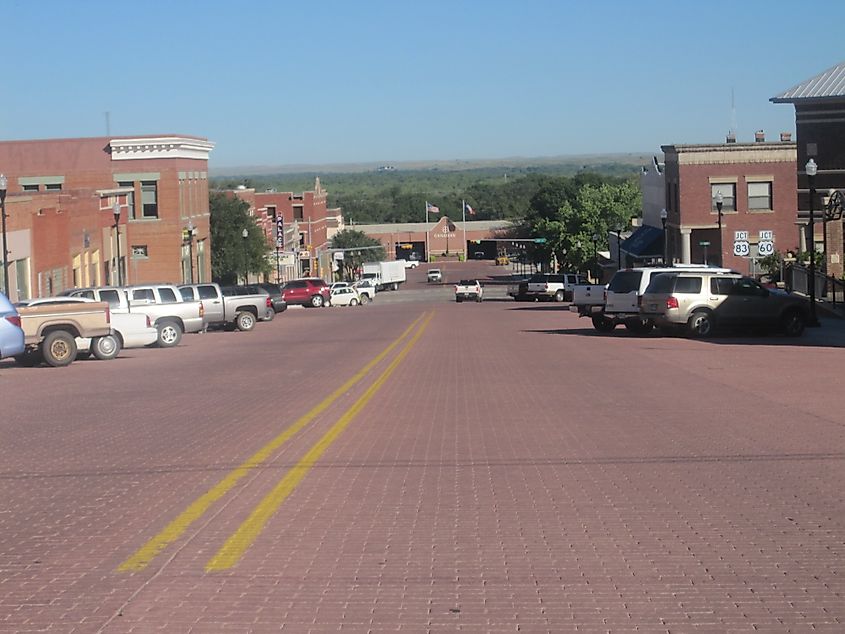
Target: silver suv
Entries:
(702, 301)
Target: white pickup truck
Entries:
(469, 290)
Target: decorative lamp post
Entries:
(192, 232)
(3, 184)
(663, 216)
(596, 252)
(116, 211)
(245, 235)
(811, 169)
(719, 202)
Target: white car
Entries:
(435, 275)
(129, 330)
(345, 296)
(411, 264)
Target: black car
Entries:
(275, 291)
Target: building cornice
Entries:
(160, 148)
(727, 154)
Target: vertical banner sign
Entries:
(280, 232)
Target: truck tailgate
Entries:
(622, 302)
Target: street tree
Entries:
(359, 248)
(232, 255)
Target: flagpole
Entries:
(427, 252)
(466, 248)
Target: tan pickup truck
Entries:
(50, 330)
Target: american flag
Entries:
(431, 209)
(469, 209)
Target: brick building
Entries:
(307, 224)
(443, 237)
(757, 182)
(61, 195)
(820, 134)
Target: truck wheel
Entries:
(395, 286)
(701, 324)
(478, 298)
(459, 299)
(317, 301)
(559, 296)
(365, 299)
(169, 334)
(245, 321)
(59, 348)
(603, 324)
(270, 315)
(105, 348)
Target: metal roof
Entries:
(646, 241)
(471, 225)
(827, 85)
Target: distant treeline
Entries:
(400, 195)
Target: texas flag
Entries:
(431, 209)
(469, 209)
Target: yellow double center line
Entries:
(176, 528)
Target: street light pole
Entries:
(811, 170)
(245, 235)
(663, 216)
(719, 202)
(3, 184)
(192, 230)
(619, 247)
(116, 212)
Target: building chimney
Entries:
(786, 137)
(731, 138)
(759, 136)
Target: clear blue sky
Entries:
(279, 82)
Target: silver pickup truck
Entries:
(223, 308)
(162, 303)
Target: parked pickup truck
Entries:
(50, 330)
(588, 301)
(469, 290)
(162, 303)
(552, 286)
(226, 307)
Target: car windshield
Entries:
(625, 282)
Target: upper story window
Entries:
(149, 199)
(298, 212)
(53, 187)
(130, 197)
(728, 191)
(760, 196)
(30, 188)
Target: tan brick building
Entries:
(61, 196)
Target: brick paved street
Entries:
(513, 472)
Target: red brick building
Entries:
(442, 237)
(307, 226)
(757, 182)
(61, 196)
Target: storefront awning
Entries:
(645, 242)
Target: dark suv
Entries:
(275, 291)
(309, 291)
(701, 302)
